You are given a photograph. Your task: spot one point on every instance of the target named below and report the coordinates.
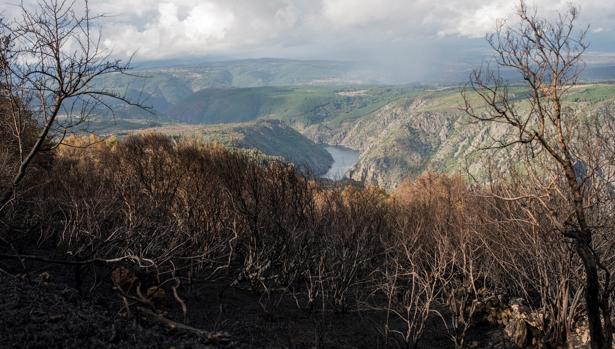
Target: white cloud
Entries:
(477, 22)
(169, 33)
(177, 28)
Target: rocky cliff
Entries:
(430, 132)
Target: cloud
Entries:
(353, 13)
(170, 33)
(324, 28)
(468, 18)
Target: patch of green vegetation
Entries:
(592, 93)
(163, 88)
(105, 126)
(306, 105)
(270, 137)
(401, 131)
(378, 98)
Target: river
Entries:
(343, 160)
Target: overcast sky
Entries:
(393, 32)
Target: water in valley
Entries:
(343, 160)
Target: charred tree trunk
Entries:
(583, 245)
(548, 54)
(592, 295)
(5, 198)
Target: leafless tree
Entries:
(413, 279)
(50, 59)
(559, 172)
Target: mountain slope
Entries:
(400, 131)
(163, 87)
(429, 132)
(270, 137)
(303, 105)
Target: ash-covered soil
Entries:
(43, 309)
(40, 314)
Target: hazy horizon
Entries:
(400, 41)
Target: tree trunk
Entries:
(5, 198)
(608, 323)
(583, 238)
(592, 296)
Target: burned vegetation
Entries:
(151, 241)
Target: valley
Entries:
(398, 132)
(270, 138)
(344, 160)
(407, 185)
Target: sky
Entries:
(407, 34)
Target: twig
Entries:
(149, 262)
(174, 325)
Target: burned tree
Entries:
(50, 59)
(566, 166)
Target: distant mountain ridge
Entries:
(295, 104)
(169, 87)
(161, 88)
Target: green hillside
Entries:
(305, 105)
(400, 131)
(270, 137)
(431, 133)
(160, 88)
(264, 72)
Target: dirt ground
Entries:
(39, 314)
(43, 309)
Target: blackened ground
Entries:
(41, 308)
(39, 314)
